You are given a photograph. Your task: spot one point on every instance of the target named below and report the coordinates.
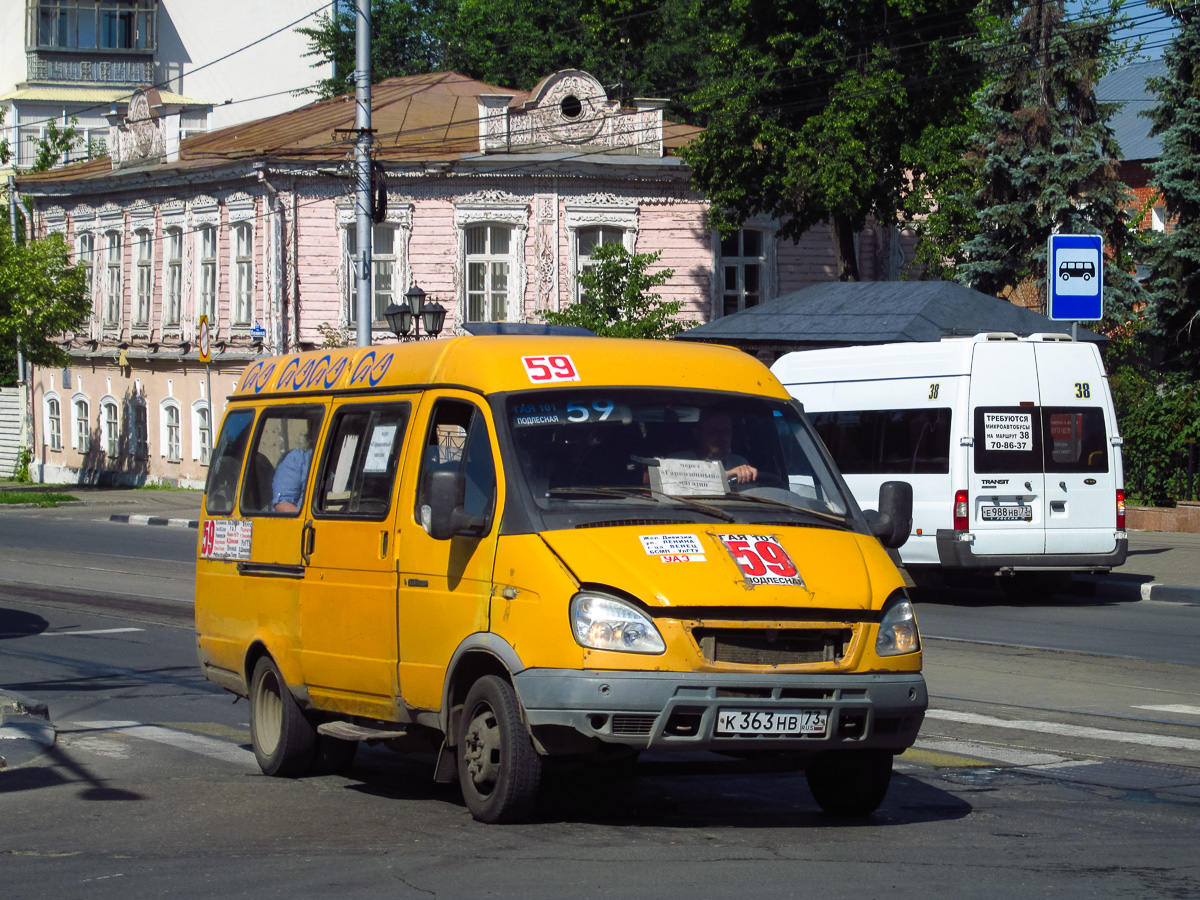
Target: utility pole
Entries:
(12, 224)
(362, 168)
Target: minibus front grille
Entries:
(618, 523)
(773, 646)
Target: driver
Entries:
(713, 436)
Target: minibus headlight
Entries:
(606, 623)
(898, 629)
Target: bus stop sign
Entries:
(1075, 276)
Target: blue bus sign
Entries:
(1075, 276)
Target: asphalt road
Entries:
(1059, 758)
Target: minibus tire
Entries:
(499, 770)
(284, 741)
(850, 782)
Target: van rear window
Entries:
(887, 441)
(1040, 439)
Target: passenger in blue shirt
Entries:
(287, 486)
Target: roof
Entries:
(416, 118)
(1128, 85)
(92, 95)
(498, 363)
(874, 312)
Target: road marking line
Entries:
(1082, 731)
(195, 743)
(92, 631)
(975, 754)
(1173, 708)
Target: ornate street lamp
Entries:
(412, 313)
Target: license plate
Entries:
(1007, 513)
(775, 722)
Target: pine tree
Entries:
(1174, 283)
(1048, 158)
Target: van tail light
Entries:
(962, 511)
(1120, 509)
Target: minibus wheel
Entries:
(850, 782)
(284, 740)
(499, 771)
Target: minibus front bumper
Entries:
(642, 710)
(955, 552)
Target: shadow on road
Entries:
(16, 623)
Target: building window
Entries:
(96, 24)
(144, 247)
(174, 290)
(172, 442)
(54, 423)
(243, 298)
(85, 247)
(742, 265)
(589, 240)
(112, 285)
(139, 438)
(202, 432)
(83, 428)
(383, 258)
(1158, 218)
(208, 273)
(112, 428)
(487, 272)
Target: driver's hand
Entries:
(743, 474)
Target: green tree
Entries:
(403, 42)
(815, 112)
(618, 297)
(42, 295)
(1174, 283)
(1048, 161)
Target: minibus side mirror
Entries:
(892, 522)
(446, 517)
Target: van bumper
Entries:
(643, 710)
(954, 553)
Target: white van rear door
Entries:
(1007, 486)
(1080, 472)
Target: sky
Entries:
(1154, 26)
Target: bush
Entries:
(1160, 422)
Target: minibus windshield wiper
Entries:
(645, 493)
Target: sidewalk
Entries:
(25, 729)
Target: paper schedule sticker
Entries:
(226, 539)
(1007, 431)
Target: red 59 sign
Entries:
(762, 559)
(548, 369)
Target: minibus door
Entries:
(1007, 495)
(1080, 479)
(445, 585)
(348, 604)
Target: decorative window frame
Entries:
(77, 398)
(242, 208)
(769, 286)
(107, 402)
(137, 441)
(174, 215)
(55, 220)
(47, 432)
(399, 216)
(111, 220)
(492, 208)
(202, 211)
(199, 409)
(141, 328)
(590, 211)
(85, 221)
(164, 438)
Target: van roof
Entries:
(488, 364)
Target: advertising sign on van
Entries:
(1007, 431)
(1075, 276)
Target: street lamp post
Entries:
(413, 313)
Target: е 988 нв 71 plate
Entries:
(785, 722)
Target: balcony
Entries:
(90, 68)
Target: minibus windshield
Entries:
(737, 458)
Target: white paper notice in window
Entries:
(380, 450)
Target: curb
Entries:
(135, 519)
(1170, 593)
(26, 731)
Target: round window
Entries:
(571, 107)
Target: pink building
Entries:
(494, 201)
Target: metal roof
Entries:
(874, 312)
(1131, 129)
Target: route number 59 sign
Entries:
(762, 559)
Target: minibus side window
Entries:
(361, 457)
(458, 440)
(227, 462)
(1074, 439)
(279, 463)
(887, 441)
